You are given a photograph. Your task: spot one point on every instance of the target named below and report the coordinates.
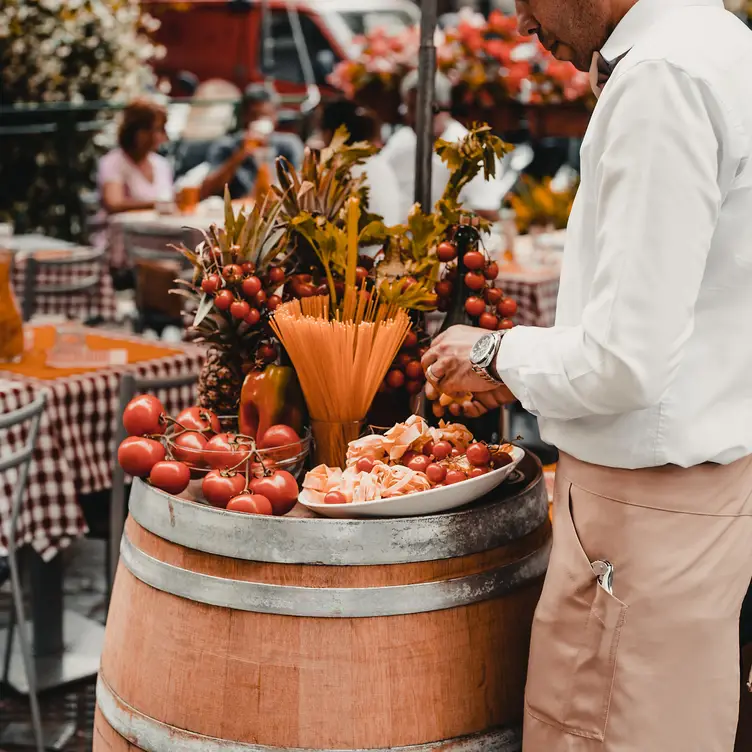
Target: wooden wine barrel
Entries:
(258, 634)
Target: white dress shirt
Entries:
(479, 194)
(650, 360)
(383, 188)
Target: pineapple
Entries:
(220, 381)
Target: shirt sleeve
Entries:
(220, 151)
(110, 169)
(656, 202)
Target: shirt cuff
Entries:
(509, 360)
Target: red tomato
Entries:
(413, 386)
(478, 455)
(273, 302)
(491, 271)
(280, 488)
(137, 455)
(476, 472)
(223, 299)
(231, 272)
(407, 457)
(395, 379)
(189, 447)
(253, 317)
(475, 305)
(259, 298)
(506, 324)
(250, 504)
(414, 370)
(411, 341)
(224, 451)
(419, 463)
(239, 309)
(198, 419)
(408, 282)
(488, 321)
(474, 260)
(475, 281)
(251, 286)
(219, 487)
(444, 288)
(144, 415)
(507, 307)
(364, 465)
(211, 283)
(170, 476)
(428, 449)
(441, 450)
(493, 295)
(282, 437)
(277, 275)
(335, 497)
(267, 353)
(248, 267)
(454, 476)
(446, 251)
(361, 274)
(436, 473)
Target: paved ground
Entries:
(84, 593)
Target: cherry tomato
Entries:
(419, 463)
(491, 271)
(402, 360)
(267, 353)
(198, 419)
(507, 307)
(259, 298)
(219, 487)
(446, 251)
(493, 295)
(251, 285)
(454, 476)
(277, 275)
(476, 472)
(474, 260)
(250, 504)
(413, 386)
(474, 281)
(436, 473)
(189, 447)
(414, 370)
(224, 451)
(411, 341)
(137, 455)
(280, 488)
(361, 274)
(281, 436)
(475, 305)
(211, 283)
(444, 288)
(240, 309)
(364, 465)
(441, 450)
(478, 455)
(408, 457)
(253, 317)
(335, 497)
(231, 272)
(248, 267)
(488, 321)
(506, 324)
(428, 449)
(223, 299)
(273, 302)
(144, 415)
(170, 476)
(395, 379)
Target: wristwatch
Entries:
(483, 356)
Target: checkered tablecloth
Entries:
(536, 298)
(99, 302)
(74, 453)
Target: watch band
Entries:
(488, 371)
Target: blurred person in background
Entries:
(383, 187)
(234, 160)
(133, 176)
(484, 197)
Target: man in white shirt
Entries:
(482, 196)
(644, 384)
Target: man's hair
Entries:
(360, 123)
(260, 93)
(442, 88)
(139, 115)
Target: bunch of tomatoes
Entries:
(486, 303)
(197, 444)
(406, 371)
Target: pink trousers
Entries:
(652, 666)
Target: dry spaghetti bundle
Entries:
(341, 357)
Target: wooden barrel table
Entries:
(240, 633)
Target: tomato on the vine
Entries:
(488, 321)
(444, 288)
(414, 370)
(277, 275)
(218, 487)
(138, 455)
(395, 379)
(474, 281)
(239, 309)
(280, 488)
(253, 317)
(232, 272)
(170, 476)
(198, 419)
(224, 299)
(506, 324)
(474, 260)
(491, 271)
(251, 286)
(273, 302)
(211, 283)
(446, 251)
(493, 295)
(144, 415)
(478, 455)
(507, 307)
(475, 305)
(189, 447)
(225, 451)
(411, 341)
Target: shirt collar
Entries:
(639, 18)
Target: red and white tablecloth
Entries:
(98, 302)
(535, 294)
(74, 453)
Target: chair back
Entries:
(130, 386)
(57, 263)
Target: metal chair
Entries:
(87, 285)
(130, 385)
(21, 460)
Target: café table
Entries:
(74, 456)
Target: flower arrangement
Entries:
(537, 204)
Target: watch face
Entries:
(483, 350)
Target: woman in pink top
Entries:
(134, 176)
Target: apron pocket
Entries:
(575, 636)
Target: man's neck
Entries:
(619, 9)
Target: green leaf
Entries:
(204, 308)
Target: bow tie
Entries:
(600, 71)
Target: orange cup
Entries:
(187, 199)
